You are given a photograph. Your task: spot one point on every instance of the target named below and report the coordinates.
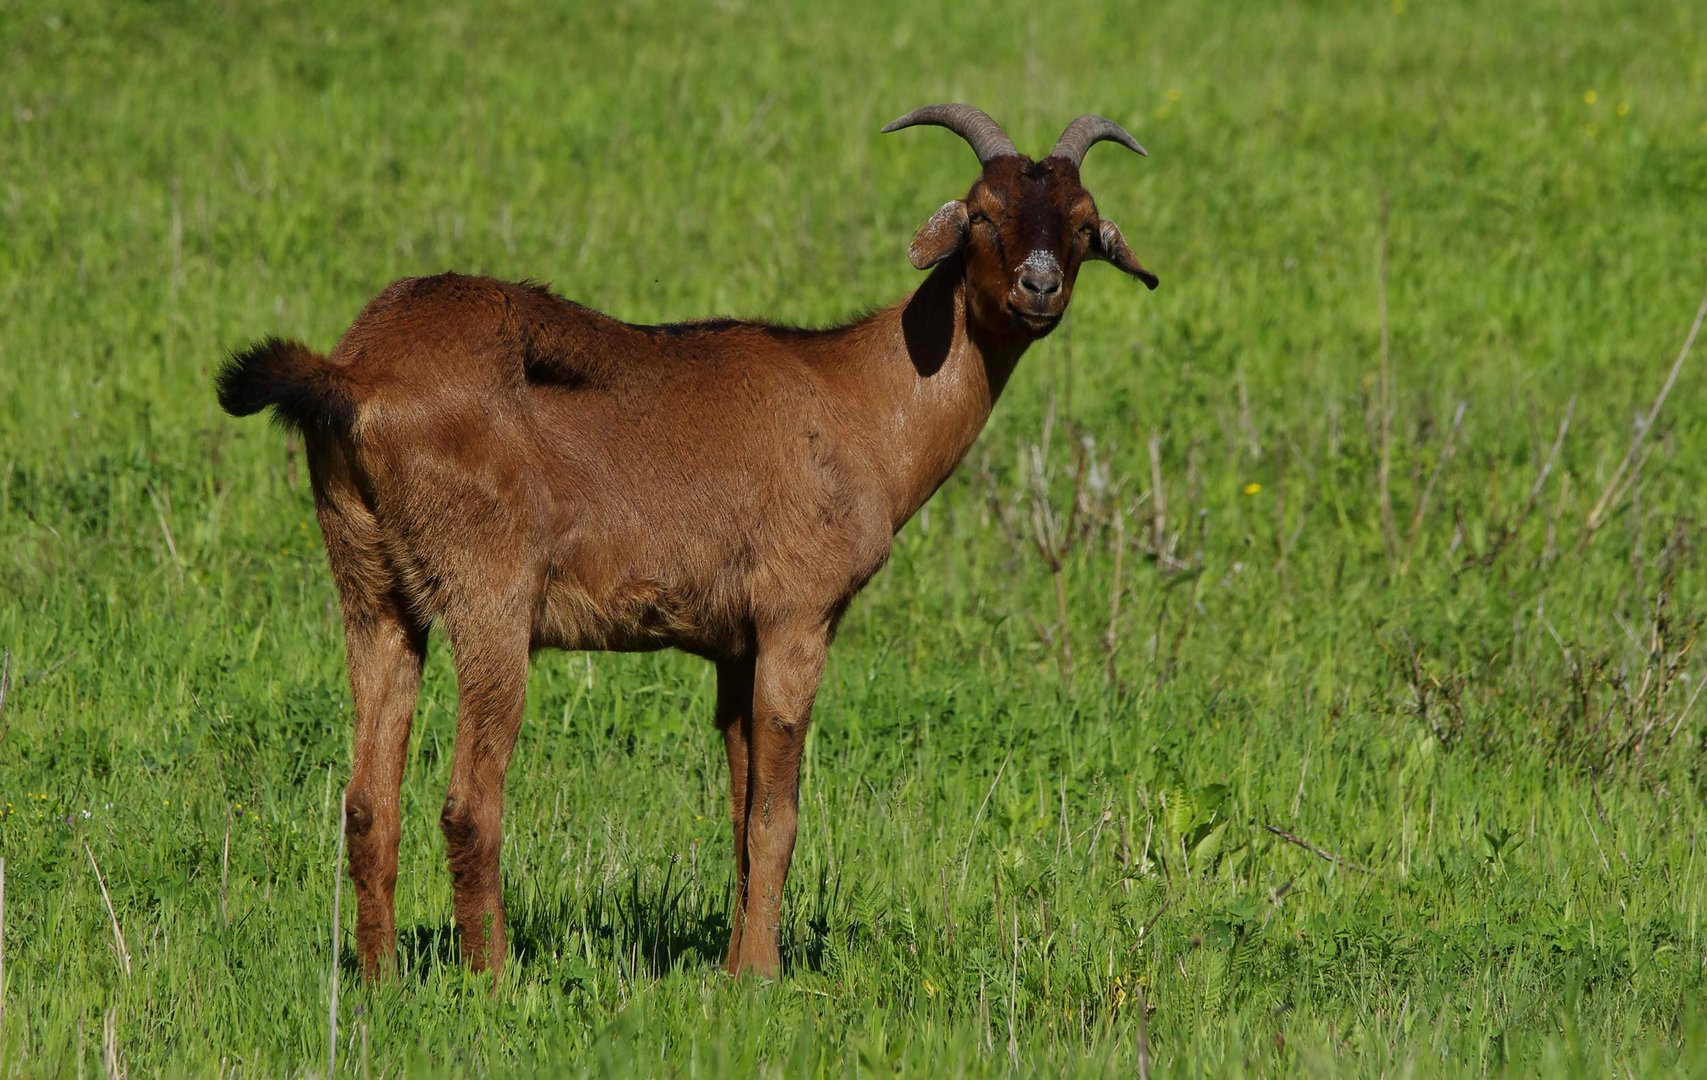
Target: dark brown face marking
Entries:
(1030, 226)
(1026, 226)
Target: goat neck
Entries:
(917, 382)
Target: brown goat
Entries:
(531, 473)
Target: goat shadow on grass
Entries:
(653, 925)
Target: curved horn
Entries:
(972, 124)
(1088, 130)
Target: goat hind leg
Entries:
(384, 644)
(491, 680)
(385, 670)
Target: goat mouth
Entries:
(1035, 323)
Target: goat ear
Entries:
(939, 237)
(1111, 247)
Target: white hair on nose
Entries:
(1040, 262)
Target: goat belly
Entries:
(634, 614)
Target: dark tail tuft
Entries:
(302, 389)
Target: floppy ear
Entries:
(1111, 247)
(939, 237)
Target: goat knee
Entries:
(471, 840)
(372, 843)
(358, 813)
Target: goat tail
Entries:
(304, 390)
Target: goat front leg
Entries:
(785, 681)
(735, 720)
(491, 681)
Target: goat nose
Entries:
(1040, 282)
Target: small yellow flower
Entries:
(1252, 488)
(1174, 95)
(930, 988)
(1590, 97)
(1623, 108)
(1397, 7)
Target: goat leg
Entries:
(385, 645)
(385, 674)
(491, 680)
(785, 681)
(735, 720)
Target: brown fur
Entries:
(530, 473)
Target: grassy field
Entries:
(1027, 846)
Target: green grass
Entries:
(1001, 856)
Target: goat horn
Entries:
(1088, 130)
(972, 124)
